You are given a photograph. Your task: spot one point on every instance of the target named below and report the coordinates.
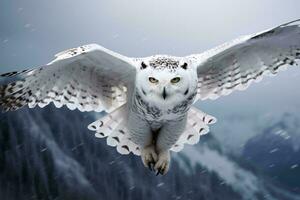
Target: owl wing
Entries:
(89, 78)
(236, 64)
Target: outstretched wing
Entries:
(90, 78)
(236, 64)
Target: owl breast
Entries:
(160, 113)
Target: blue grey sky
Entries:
(32, 31)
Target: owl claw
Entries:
(149, 157)
(158, 172)
(151, 165)
(163, 163)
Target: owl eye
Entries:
(175, 80)
(153, 80)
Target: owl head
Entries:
(165, 80)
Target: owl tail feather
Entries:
(197, 125)
(113, 127)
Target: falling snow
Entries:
(282, 133)
(294, 166)
(272, 165)
(115, 36)
(274, 150)
(27, 25)
(160, 184)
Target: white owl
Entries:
(149, 100)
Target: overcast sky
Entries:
(32, 31)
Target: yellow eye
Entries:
(153, 80)
(175, 80)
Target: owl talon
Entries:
(151, 166)
(149, 157)
(158, 172)
(163, 163)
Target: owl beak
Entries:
(164, 94)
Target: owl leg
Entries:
(149, 156)
(141, 134)
(167, 137)
(163, 164)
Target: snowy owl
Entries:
(149, 101)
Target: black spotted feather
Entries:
(235, 65)
(89, 78)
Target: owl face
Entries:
(165, 81)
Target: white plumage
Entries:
(149, 100)
(90, 78)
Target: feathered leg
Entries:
(141, 134)
(167, 137)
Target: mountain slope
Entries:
(49, 154)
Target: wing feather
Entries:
(236, 64)
(89, 78)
